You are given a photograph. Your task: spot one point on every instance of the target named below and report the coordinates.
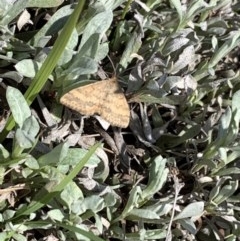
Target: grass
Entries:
(173, 174)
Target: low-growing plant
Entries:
(173, 174)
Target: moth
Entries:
(104, 98)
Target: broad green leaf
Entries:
(71, 194)
(94, 203)
(195, 8)
(234, 127)
(102, 52)
(25, 137)
(13, 11)
(189, 225)
(69, 50)
(174, 44)
(133, 45)
(90, 47)
(4, 235)
(225, 192)
(98, 222)
(157, 177)
(98, 24)
(234, 154)
(23, 140)
(151, 97)
(216, 189)
(191, 210)
(54, 157)
(18, 105)
(31, 162)
(152, 3)
(19, 237)
(235, 106)
(178, 6)
(109, 4)
(132, 202)
(4, 154)
(228, 171)
(142, 235)
(57, 20)
(2, 179)
(214, 42)
(31, 127)
(171, 82)
(224, 125)
(76, 154)
(56, 215)
(44, 3)
(161, 208)
(141, 214)
(18, 6)
(7, 214)
(171, 141)
(228, 45)
(14, 75)
(80, 65)
(186, 58)
(110, 199)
